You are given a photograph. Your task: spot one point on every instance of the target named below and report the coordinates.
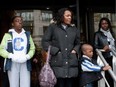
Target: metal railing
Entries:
(105, 63)
(113, 51)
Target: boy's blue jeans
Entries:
(89, 85)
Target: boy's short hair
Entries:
(84, 46)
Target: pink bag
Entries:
(47, 77)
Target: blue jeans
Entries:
(89, 85)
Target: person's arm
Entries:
(47, 39)
(3, 46)
(88, 66)
(96, 41)
(32, 49)
(77, 42)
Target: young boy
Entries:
(90, 70)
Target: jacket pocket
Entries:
(56, 60)
(73, 60)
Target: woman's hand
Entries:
(106, 48)
(73, 51)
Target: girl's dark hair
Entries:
(60, 15)
(109, 24)
(108, 21)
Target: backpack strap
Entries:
(28, 41)
(9, 44)
(28, 35)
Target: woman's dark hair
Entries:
(60, 15)
(108, 21)
(109, 24)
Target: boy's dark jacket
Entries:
(88, 77)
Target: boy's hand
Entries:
(106, 67)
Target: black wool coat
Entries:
(63, 41)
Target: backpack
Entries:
(47, 77)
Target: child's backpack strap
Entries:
(10, 34)
(28, 41)
(9, 44)
(28, 35)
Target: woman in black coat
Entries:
(105, 39)
(64, 39)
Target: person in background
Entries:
(17, 47)
(64, 39)
(105, 39)
(37, 64)
(90, 71)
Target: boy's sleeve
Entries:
(32, 48)
(3, 46)
(90, 67)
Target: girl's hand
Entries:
(106, 48)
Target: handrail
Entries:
(113, 52)
(105, 63)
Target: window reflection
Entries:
(46, 15)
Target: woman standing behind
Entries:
(64, 39)
(104, 39)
